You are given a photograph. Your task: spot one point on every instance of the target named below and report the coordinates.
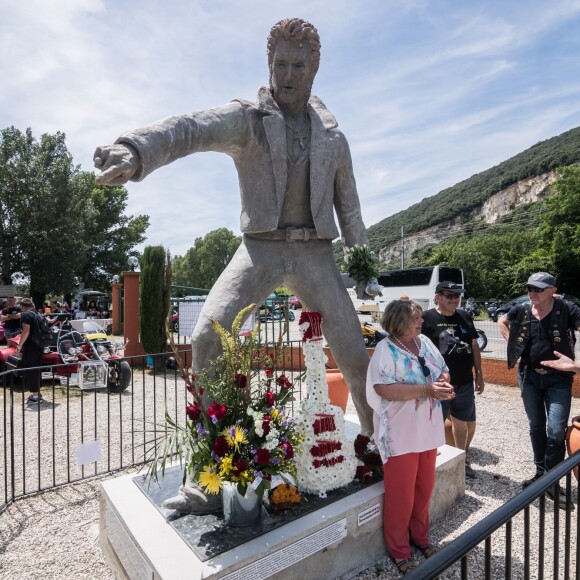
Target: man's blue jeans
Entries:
(547, 400)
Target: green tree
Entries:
(560, 230)
(490, 261)
(43, 216)
(111, 235)
(55, 222)
(154, 299)
(203, 263)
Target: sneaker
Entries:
(528, 482)
(469, 471)
(34, 400)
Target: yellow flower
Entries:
(226, 465)
(235, 437)
(210, 480)
(274, 414)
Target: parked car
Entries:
(294, 303)
(505, 308)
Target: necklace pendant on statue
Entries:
(301, 143)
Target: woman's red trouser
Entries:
(409, 481)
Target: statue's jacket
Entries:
(253, 134)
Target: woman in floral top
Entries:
(406, 382)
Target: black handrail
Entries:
(475, 535)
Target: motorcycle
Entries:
(87, 359)
(473, 310)
(275, 312)
(371, 335)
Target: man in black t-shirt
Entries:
(31, 352)
(534, 331)
(11, 318)
(453, 333)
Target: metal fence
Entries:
(544, 555)
(78, 434)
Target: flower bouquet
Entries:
(237, 429)
(370, 467)
(361, 265)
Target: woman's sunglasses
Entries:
(424, 366)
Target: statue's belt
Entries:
(288, 235)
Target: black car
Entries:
(505, 308)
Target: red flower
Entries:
(270, 398)
(364, 474)
(216, 410)
(373, 459)
(269, 372)
(283, 382)
(193, 412)
(200, 391)
(241, 380)
(266, 424)
(288, 450)
(192, 378)
(262, 457)
(360, 444)
(220, 447)
(239, 468)
(190, 389)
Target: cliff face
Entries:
(498, 205)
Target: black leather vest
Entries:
(560, 335)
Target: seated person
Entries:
(92, 309)
(11, 318)
(53, 320)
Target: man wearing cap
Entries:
(31, 352)
(453, 333)
(534, 331)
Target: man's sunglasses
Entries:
(534, 289)
(450, 296)
(424, 366)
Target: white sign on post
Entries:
(88, 452)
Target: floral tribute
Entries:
(284, 497)
(324, 461)
(370, 467)
(244, 436)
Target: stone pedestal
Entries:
(340, 538)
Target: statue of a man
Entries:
(295, 170)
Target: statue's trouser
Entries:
(308, 269)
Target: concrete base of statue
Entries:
(333, 539)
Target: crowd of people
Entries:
(428, 370)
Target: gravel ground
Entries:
(54, 535)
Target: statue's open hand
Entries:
(373, 288)
(118, 163)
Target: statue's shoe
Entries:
(191, 500)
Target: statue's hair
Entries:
(295, 30)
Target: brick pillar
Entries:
(131, 314)
(116, 306)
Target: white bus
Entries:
(416, 283)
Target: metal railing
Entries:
(42, 446)
(530, 563)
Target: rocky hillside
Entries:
(495, 207)
(487, 196)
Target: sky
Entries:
(428, 92)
